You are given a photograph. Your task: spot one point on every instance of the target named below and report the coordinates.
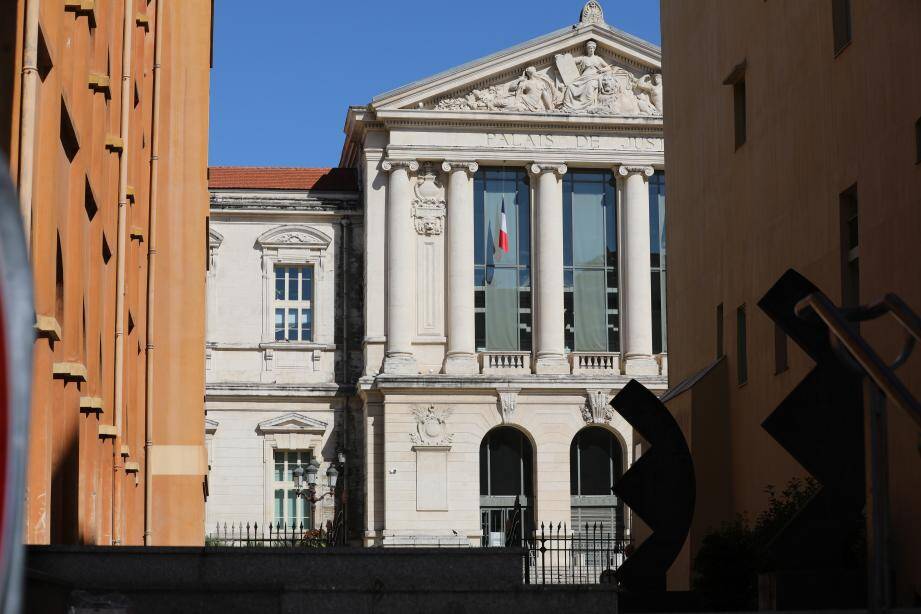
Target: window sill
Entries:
(304, 346)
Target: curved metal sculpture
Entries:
(659, 487)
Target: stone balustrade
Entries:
(595, 363)
(505, 362)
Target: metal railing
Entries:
(276, 535)
(855, 351)
(590, 554)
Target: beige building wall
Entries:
(92, 131)
(818, 123)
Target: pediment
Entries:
(552, 75)
(292, 423)
(294, 235)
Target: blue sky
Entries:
(285, 71)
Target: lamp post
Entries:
(310, 493)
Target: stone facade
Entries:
(266, 395)
(427, 392)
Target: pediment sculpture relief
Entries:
(576, 85)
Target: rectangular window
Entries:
(657, 260)
(738, 110)
(741, 346)
(720, 348)
(289, 509)
(850, 248)
(780, 350)
(736, 79)
(590, 298)
(918, 141)
(841, 23)
(293, 303)
(502, 274)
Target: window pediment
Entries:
(292, 423)
(294, 236)
(211, 426)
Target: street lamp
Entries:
(310, 493)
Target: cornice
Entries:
(504, 119)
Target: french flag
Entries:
(503, 230)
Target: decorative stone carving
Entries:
(583, 85)
(428, 203)
(591, 13)
(625, 169)
(597, 409)
(410, 165)
(537, 168)
(431, 427)
(508, 403)
(449, 165)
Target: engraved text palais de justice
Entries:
(579, 141)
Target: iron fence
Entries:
(277, 535)
(586, 554)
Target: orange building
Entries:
(793, 140)
(104, 119)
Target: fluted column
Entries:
(550, 342)
(399, 356)
(636, 276)
(460, 356)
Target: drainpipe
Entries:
(28, 113)
(120, 273)
(151, 268)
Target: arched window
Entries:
(506, 472)
(595, 464)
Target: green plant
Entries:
(726, 566)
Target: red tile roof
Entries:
(277, 178)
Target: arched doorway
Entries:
(506, 472)
(596, 462)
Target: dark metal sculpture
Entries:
(820, 424)
(659, 488)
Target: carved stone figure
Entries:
(575, 85)
(582, 93)
(649, 90)
(533, 91)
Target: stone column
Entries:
(460, 356)
(549, 329)
(636, 275)
(398, 357)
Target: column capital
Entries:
(538, 168)
(626, 169)
(409, 165)
(460, 165)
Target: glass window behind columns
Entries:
(657, 259)
(590, 280)
(502, 280)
